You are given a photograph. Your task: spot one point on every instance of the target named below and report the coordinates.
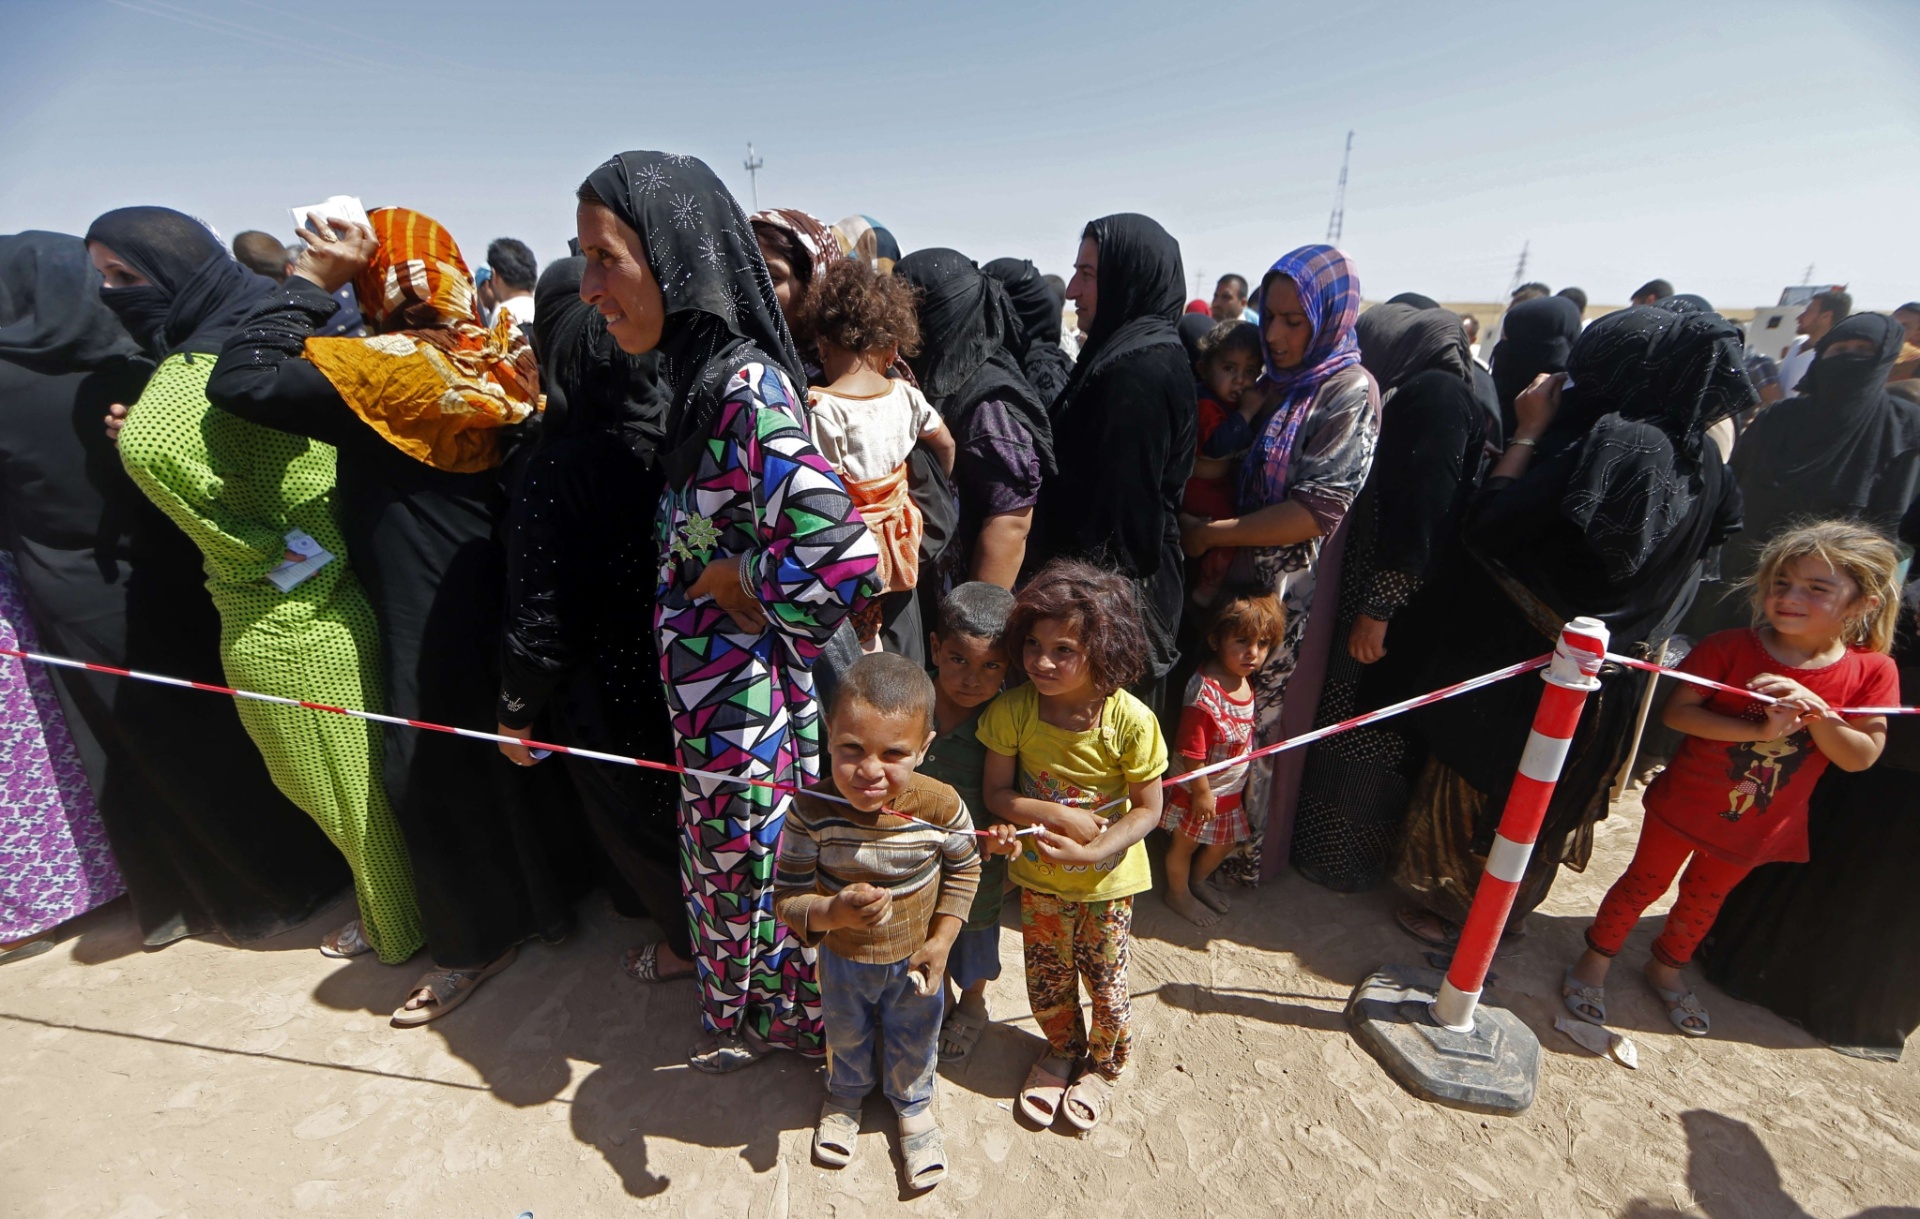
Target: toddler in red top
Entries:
(1735, 795)
(1231, 358)
(1203, 814)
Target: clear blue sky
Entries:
(1722, 145)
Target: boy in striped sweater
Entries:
(883, 882)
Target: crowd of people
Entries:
(932, 577)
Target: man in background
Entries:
(1230, 299)
(1529, 292)
(510, 284)
(1825, 311)
(1579, 298)
(1651, 293)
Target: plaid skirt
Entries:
(1229, 824)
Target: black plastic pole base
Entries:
(1493, 1069)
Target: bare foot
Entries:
(1192, 909)
(1213, 895)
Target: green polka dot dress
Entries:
(236, 489)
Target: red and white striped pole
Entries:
(1572, 673)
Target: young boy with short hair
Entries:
(970, 666)
(882, 883)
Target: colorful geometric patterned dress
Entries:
(55, 863)
(237, 489)
(744, 704)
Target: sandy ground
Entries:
(202, 1080)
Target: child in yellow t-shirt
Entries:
(1076, 755)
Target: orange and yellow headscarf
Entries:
(433, 381)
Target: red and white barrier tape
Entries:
(1348, 725)
(1708, 683)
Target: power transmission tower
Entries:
(1808, 277)
(1520, 271)
(753, 165)
(1337, 222)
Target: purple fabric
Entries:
(1330, 297)
(996, 469)
(55, 863)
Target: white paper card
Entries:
(290, 574)
(337, 207)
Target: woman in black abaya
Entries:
(1123, 427)
(204, 840)
(1426, 467)
(1536, 337)
(998, 421)
(1036, 346)
(582, 564)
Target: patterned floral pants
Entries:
(1070, 942)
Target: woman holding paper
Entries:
(259, 505)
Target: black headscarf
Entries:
(1829, 443)
(1140, 292)
(1399, 340)
(721, 309)
(1416, 300)
(1536, 336)
(1193, 327)
(196, 295)
(1045, 363)
(51, 318)
(967, 323)
(1651, 381)
(592, 385)
(1684, 302)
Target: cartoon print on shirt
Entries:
(1759, 769)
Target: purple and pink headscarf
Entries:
(1330, 297)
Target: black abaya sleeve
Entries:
(1428, 444)
(543, 544)
(1118, 453)
(263, 378)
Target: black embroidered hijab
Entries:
(591, 385)
(1644, 384)
(196, 295)
(1399, 340)
(1141, 289)
(1536, 336)
(51, 316)
(1825, 448)
(721, 310)
(967, 324)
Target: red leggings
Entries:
(1656, 861)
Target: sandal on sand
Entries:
(348, 941)
(924, 1157)
(1682, 1006)
(726, 1053)
(642, 964)
(961, 1032)
(1041, 1095)
(837, 1134)
(1086, 1101)
(22, 951)
(1587, 1002)
(1427, 927)
(446, 990)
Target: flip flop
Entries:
(1090, 1092)
(1408, 916)
(726, 1055)
(448, 988)
(961, 1032)
(642, 964)
(923, 1157)
(22, 952)
(1681, 1006)
(1041, 1095)
(837, 1135)
(348, 941)
(1587, 1002)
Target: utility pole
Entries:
(753, 165)
(1337, 222)
(1520, 271)
(1808, 277)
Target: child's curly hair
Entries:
(859, 309)
(1248, 610)
(1102, 607)
(1232, 335)
(1863, 554)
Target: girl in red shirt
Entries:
(1735, 794)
